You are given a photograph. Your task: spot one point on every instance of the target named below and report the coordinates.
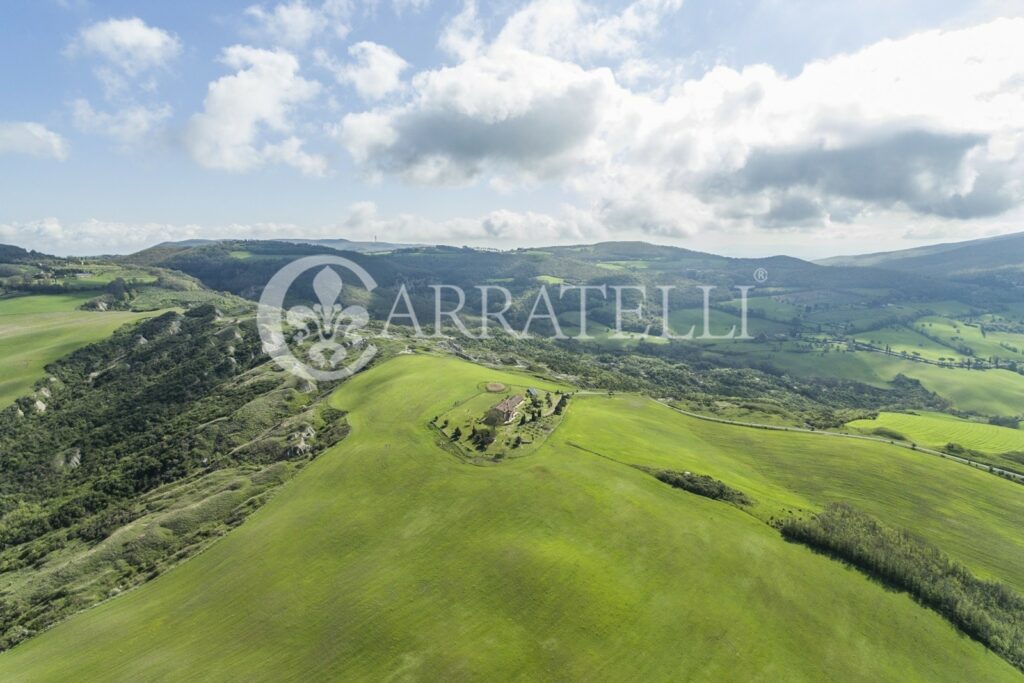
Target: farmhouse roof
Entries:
(509, 404)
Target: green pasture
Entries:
(936, 430)
(389, 559)
(37, 330)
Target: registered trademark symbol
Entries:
(761, 275)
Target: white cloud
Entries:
(295, 24)
(931, 125)
(34, 139)
(130, 126)
(127, 48)
(365, 133)
(573, 29)
(90, 237)
(289, 151)
(506, 108)
(463, 37)
(361, 222)
(375, 72)
(260, 96)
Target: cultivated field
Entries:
(936, 430)
(36, 330)
(986, 392)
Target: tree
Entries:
(457, 434)
(118, 289)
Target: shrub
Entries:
(702, 485)
(887, 433)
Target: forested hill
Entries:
(965, 259)
(244, 267)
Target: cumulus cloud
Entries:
(295, 24)
(927, 172)
(927, 126)
(361, 221)
(289, 151)
(129, 126)
(259, 97)
(126, 49)
(33, 139)
(375, 70)
(51, 236)
(507, 108)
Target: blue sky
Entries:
(809, 128)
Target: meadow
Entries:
(983, 344)
(38, 329)
(387, 558)
(935, 430)
(905, 340)
(984, 392)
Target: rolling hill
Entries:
(952, 258)
(388, 558)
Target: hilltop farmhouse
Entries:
(506, 411)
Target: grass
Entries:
(169, 523)
(972, 515)
(986, 392)
(37, 330)
(909, 341)
(984, 345)
(773, 307)
(386, 558)
(681, 321)
(935, 430)
(720, 323)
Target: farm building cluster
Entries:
(514, 423)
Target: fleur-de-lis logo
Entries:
(327, 321)
(327, 333)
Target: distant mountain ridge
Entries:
(951, 258)
(338, 243)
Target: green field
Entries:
(945, 502)
(984, 345)
(37, 330)
(387, 558)
(905, 340)
(773, 307)
(986, 392)
(935, 430)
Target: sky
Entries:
(743, 127)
